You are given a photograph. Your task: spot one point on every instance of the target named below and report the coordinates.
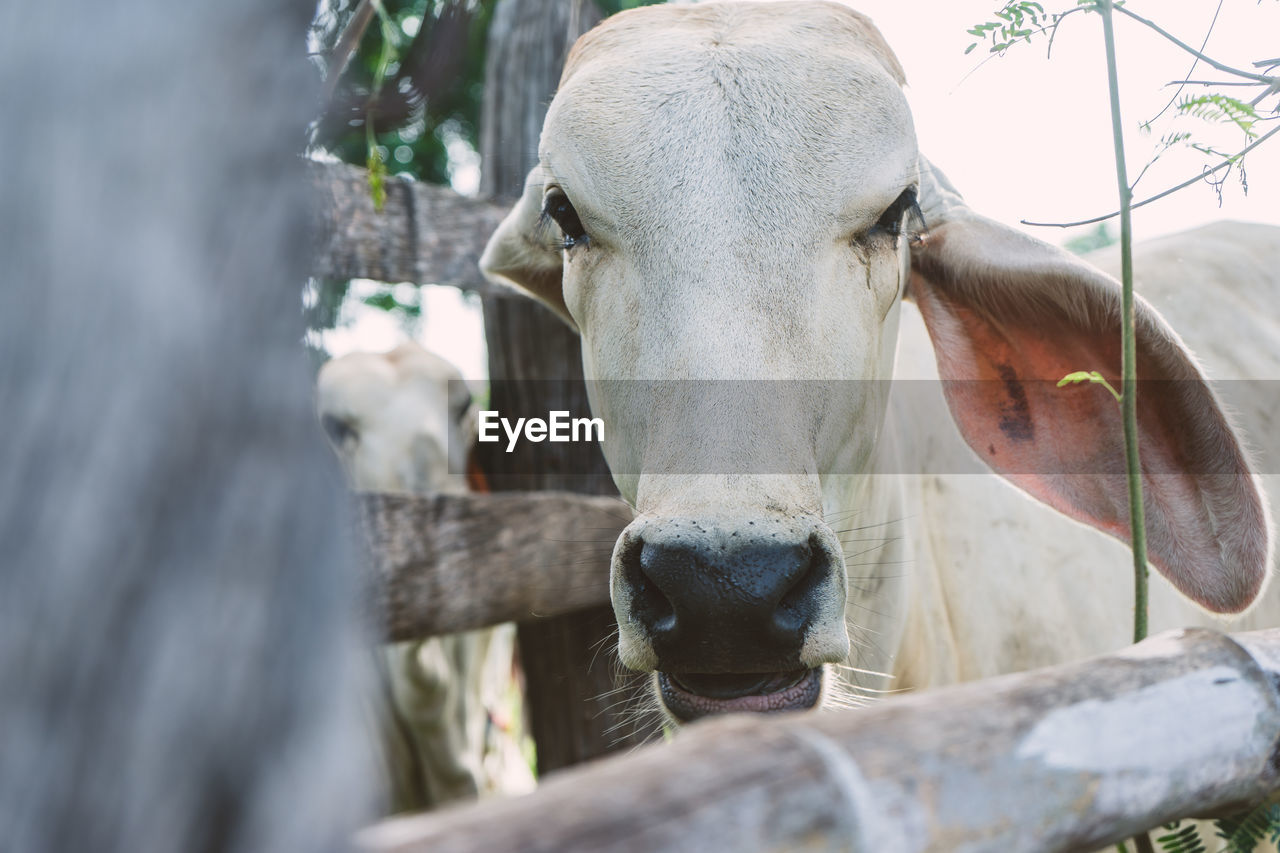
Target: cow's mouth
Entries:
(691, 696)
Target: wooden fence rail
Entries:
(424, 233)
(1070, 757)
(447, 563)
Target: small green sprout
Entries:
(1089, 376)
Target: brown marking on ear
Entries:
(1015, 413)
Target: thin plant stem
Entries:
(1128, 363)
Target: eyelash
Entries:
(556, 202)
(892, 223)
(548, 234)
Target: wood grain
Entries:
(448, 563)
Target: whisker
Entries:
(872, 548)
(848, 668)
(878, 692)
(612, 635)
(872, 526)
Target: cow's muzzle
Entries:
(734, 614)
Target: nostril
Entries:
(800, 601)
(649, 604)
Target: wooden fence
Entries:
(1071, 757)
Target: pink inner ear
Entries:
(1205, 522)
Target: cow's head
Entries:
(729, 191)
(400, 421)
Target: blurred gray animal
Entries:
(180, 663)
(403, 421)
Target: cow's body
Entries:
(728, 192)
(402, 422)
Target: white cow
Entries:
(402, 422)
(730, 191)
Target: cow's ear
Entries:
(1010, 315)
(523, 251)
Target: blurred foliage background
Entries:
(406, 103)
(417, 73)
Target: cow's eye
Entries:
(338, 430)
(894, 219)
(558, 207)
(459, 404)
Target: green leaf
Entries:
(1223, 109)
(377, 178)
(1184, 840)
(1245, 831)
(384, 301)
(1072, 378)
(1089, 376)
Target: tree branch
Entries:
(1224, 164)
(1262, 78)
(425, 234)
(1211, 83)
(1203, 44)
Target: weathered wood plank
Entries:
(575, 694)
(448, 563)
(424, 233)
(1070, 757)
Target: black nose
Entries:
(718, 599)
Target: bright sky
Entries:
(1025, 137)
(1021, 137)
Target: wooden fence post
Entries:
(577, 709)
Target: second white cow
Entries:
(730, 207)
(402, 422)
